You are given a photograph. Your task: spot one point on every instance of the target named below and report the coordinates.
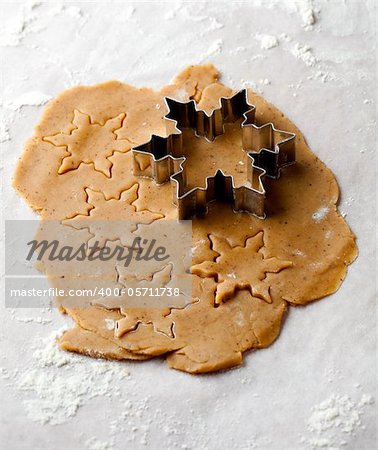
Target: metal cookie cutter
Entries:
(268, 150)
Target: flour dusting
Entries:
(23, 23)
(40, 320)
(307, 12)
(267, 41)
(95, 444)
(58, 383)
(323, 76)
(4, 132)
(110, 324)
(215, 47)
(320, 214)
(32, 98)
(304, 53)
(335, 420)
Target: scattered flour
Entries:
(4, 132)
(180, 94)
(58, 383)
(170, 15)
(265, 81)
(308, 17)
(95, 444)
(41, 320)
(251, 85)
(307, 13)
(32, 98)
(334, 420)
(215, 24)
(238, 50)
(267, 41)
(110, 324)
(328, 234)
(48, 353)
(324, 77)
(73, 11)
(348, 201)
(304, 53)
(320, 214)
(303, 8)
(14, 31)
(55, 385)
(214, 49)
(189, 12)
(285, 38)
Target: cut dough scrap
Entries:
(302, 227)
(211, 94)
(191, 82)
(88, 343)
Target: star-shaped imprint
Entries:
(112, 219)
(90, 142)
(240, 267)
(137, 309)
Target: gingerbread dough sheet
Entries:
(246, 271)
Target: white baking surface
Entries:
(315, 387)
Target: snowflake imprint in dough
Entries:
(112, 219)
(90, 142)
(232, 268)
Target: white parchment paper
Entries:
(315, 387)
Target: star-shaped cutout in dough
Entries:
(90, 142)
(240, 267)
(112, 219)
(137, 309)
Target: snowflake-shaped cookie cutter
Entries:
(268, 150)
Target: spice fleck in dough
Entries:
(298, 254)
